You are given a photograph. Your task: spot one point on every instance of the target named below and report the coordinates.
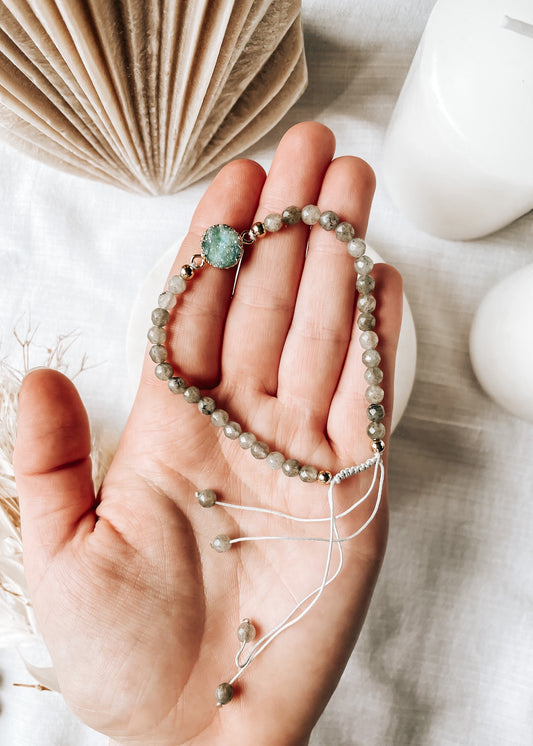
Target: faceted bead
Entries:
(375, 412)
(329, 220)
(259, 449)
(368, 340)
(221, 543)
(160, 316)
(273, 222)
(374, 394)
(219, 418)
(176, 285)
(157, 335)
(246, 631)
(223, 694)
(356, 247)
(206, 498)
(344, 232)
(365, 284)
(158, 353)
(166, 300)
(366, 322)
(275, 460)
(310, 214)
(371, 358)
(325, 477)
(376, 430)
(291, 467)
(366, 303)
(363, 265)
(291, 215)
(373, 375)
(246, 440)
(207, 405)
(221, 246)
(232, 430)
(164, 371)
(177, 385)
(192, 395)
(308, 473)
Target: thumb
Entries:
(52, 464)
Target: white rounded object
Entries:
(501, 343)
(155, 283)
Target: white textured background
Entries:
(446, 656)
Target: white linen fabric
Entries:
(446, 655)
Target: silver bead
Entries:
(257, 230)
(206, 498)
(166, 300)
(157, 335)
(275, 460)
(192, 395)
(164, 371)
(310, 214)
(232, 430)
(291, 215)
(221, 543)
(365, 284)
(246, 631)
(223, 694)
(356, 247)
(219, 418)
(273, 222)
(374, 394)
(368, 340)
(376, 430)
(246, 440)
(308, 473)
(363, 265)
(344, 232)
(366, 303)
(366, 322)
(373, 375)
(187, 272)
(291, 467)
(371, 358)
(378, 446)
(329, 220)
(177, 385)
(207, 405)
(160, 316)
(176, 285)
(325, 477)
(158, 353)
(259, 449)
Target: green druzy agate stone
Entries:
(221, 246)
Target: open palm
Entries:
(138, 611)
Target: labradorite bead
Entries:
(164, 371)
(157, 335)
(291, 467)
(308, 473)
(374, 394)
(206, 498)
(219, 418)
(373, 375)
(344, 232)
(158, 353)
(365, 284)
(192, 395)
(160, 316)
(207, 405)
(310, 214)
(177, 385)
(376, 430)
(246, 631)
(363, 265)
(375, 412)
(246, 440)
(273, 222)
(356, 247)
(366, 303)
(275, 460)
(259, 449)
(291, 215)
(166, 300)
(224, 694)
(368, 340)
(221, 543)
(329, 220)
(371, 358)
(176, 285)
(221, 246)
(366, 322)
(232, 430)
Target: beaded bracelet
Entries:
(222, 247)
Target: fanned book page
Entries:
(147, 96)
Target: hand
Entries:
(138, 612)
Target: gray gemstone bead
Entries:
(374, 394)
(246, 631)
(160, 316)
(376, 430)
(363, 265)
(259, 449)
(207, 405)
(221, 543)
(310, 214)
(192, 395)
(356, 247)
(375, 412)
(291, 467)
(232, 430)
(275, 460)
(329, 220)
(344, 232)
(157, 335)
(177, 385)
(371, 358)
(366, 303)
(166, 300)
(291, 215)
(365, 284)
(273, 222)
(373, 375)
(246, 440)
(206, 498)
(223, 694)
(368, 340)
(176, 285)
(366, 322)
(308, 473)
(164, 371)
(158, 353)
(219, 418)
